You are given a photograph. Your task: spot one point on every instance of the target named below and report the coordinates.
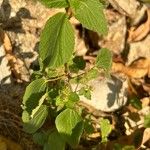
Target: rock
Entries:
(23, 21)
(4, 67)
(115, 40)
(80, 47)
(139, 49)
(130, 8)
(107, 95)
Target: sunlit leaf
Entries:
(147, 121)
(54, 3)
(90, 14)
(37, 121)
(106, 128)
(104, 59)
(57, 41)
(69, 124)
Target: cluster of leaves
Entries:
(51, 99)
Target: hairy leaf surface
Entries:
(69, 124)
(33, 93)
(54, 3)
(37, 121)
(57, 41)
(104, 59)
(90, 14)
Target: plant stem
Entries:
(69, 12)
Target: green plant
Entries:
(50, 97)
(147, 121)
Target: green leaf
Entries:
(146, 1)
(51, 73)
(86, 92)
(88, 127)
(65, 126)
(72, 99)
(37, 121)
(74, 139)
(128, 147)
(69, 124)
(137, 138)
(105, 3)
(54, 3)
(54, 73)
(55, 142)
(90, 14)
(33, 93)
(36, 75)
(41, 101)
(147, 121)
(121, 147)
(82, 91)
(25, 116)
(59, 101)
(104, 59)
(105, 127)
(78, 63)
(92, 74)
(57, 41)
(73, 96)
(135, 102)
(117, 146)
(89, 75)
(40, 138)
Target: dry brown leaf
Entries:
(6, 144)
(138, 69)
(14, 63)
(3, 145)
(137, 34)
(6, 41)
(146, 136)
(133, 139)
(118, 68)
(146, 87)
(145, 102)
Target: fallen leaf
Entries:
(133, 139)
(146, 136)
(6, 41)
(146, 87)
(138, 69)
(15, 63)
(137, 34)
(3, 145)
(6, 144)
(145, 102)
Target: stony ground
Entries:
(21, 22)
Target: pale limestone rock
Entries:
(4, 67)
(107, 95)
(131, 8)
(139, 49)
(115, 40)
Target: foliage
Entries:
(147, 121)
(105, 129)
(120, 147)
(135, 102)
(50, 96)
